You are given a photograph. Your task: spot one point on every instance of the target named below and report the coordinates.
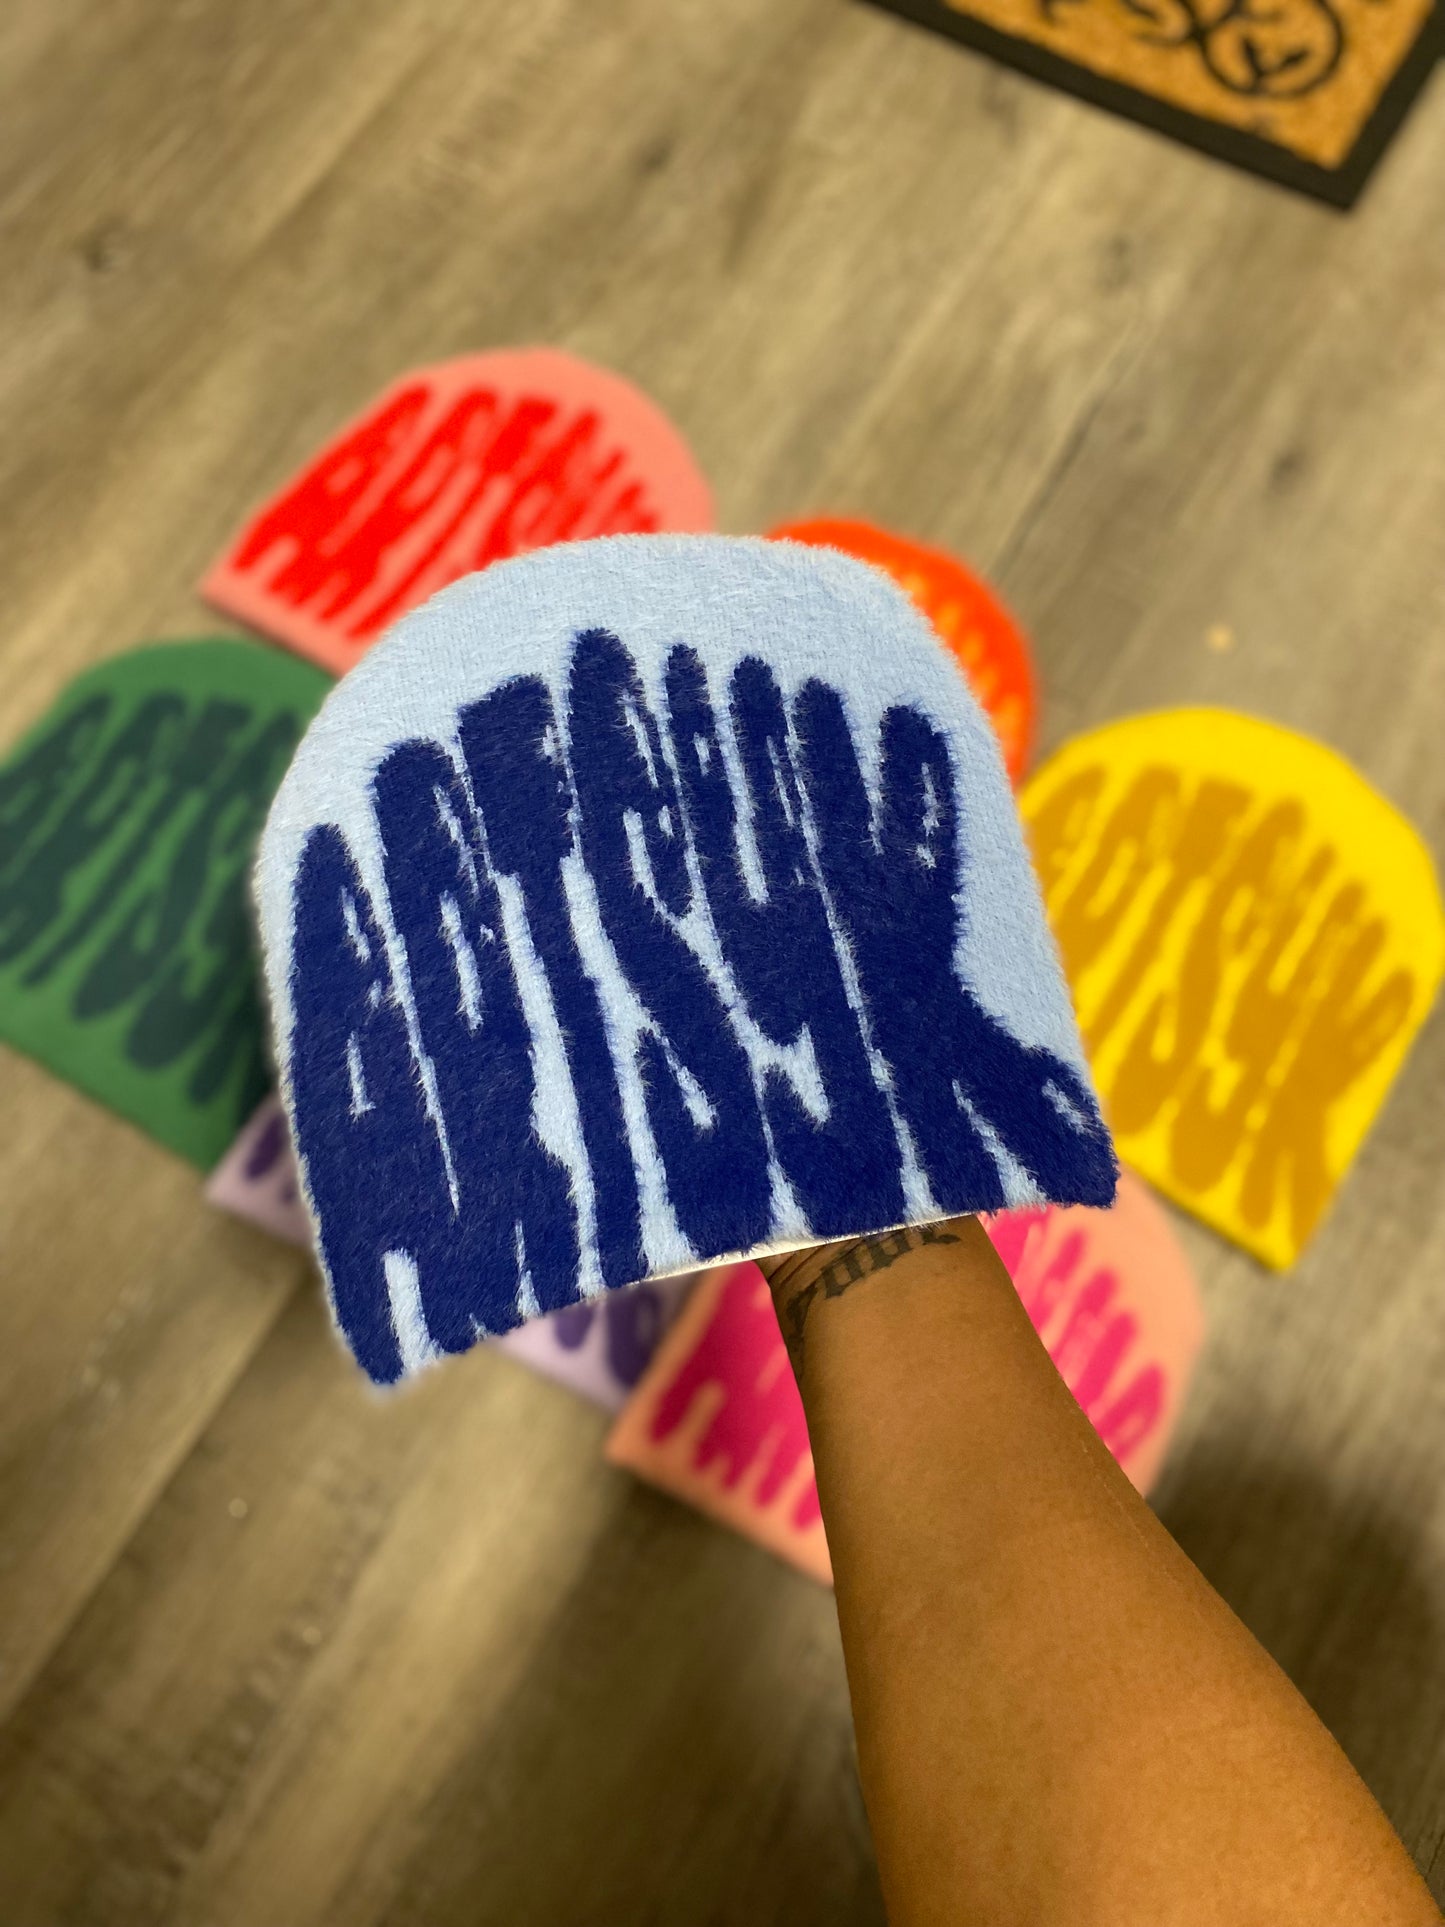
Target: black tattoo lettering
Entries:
(858, 1261)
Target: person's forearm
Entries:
(1058, 1720)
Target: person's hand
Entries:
(1058, 1720)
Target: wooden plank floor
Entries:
(275, 1654)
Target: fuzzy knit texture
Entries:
(645, 902)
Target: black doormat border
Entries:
(1340, 186)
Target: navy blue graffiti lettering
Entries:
(519, 784)
(694, 1071)
(517, 1222)
(844, 1169)
(372, 1159)
(895, 881)
(415, 1102)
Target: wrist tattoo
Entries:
(860, 1260)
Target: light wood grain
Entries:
(447, 1666)
(353, 1627)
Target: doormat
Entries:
(1306, 92)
